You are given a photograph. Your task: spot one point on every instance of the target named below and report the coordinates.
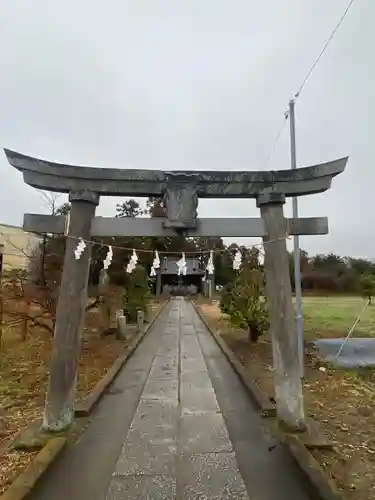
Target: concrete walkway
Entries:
(176, 424)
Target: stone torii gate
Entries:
(181, 191)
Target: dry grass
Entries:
(341, 402)
(23, 379)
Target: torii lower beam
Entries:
(210, 227)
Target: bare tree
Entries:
(27, 304)
(49, 200)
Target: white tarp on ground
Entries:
(358, 352)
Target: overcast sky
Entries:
(191, 84)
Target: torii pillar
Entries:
(71, 306)
(287, 381)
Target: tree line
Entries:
(335, 274)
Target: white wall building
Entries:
(20, 249)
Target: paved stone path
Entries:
(176, 424)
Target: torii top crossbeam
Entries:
(62, 178)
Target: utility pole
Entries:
(297, 261)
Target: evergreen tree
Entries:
(244, 300)
(136, 293)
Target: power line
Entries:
(324, 49)
(277, 137)
(297, 95)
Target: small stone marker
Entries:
(121, 333)
(140, 320)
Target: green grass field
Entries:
(334, 316)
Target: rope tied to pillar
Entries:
(82, 243)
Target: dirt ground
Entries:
(24, 376)
(342, 402)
